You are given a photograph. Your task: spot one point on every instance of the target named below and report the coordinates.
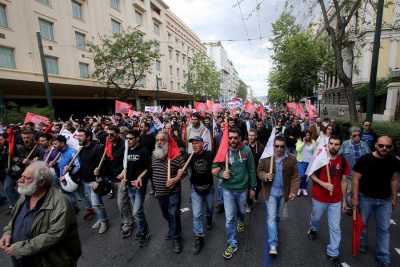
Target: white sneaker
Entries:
(103, 227)
(96, 225)
(299, 192)
(305, 193)
(273, 251)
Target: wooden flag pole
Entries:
(227, 163)
(188, 161)
(271, 165)
(354, 213)
(33, 150)
(169, 170)
(328, 172)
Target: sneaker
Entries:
(143, 239)
(96, 225)
(273, 251)
(89, 214)
(209, 224)
(229, 251)
(248, 209)
(240, 227)
(127, 232)
(177, 246)
(198, 244)
(335, 260)
(103, 227)
(312, 234)
(299, 192)
(304, 192)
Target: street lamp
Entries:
(158, 80)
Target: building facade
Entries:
(66, 27)
(358, 57)
(229, 75)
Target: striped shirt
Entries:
(159, 177)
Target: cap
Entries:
(196, 138)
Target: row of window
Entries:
(7, 60)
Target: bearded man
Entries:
(168, 192)
(43, 230)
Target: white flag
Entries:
(269, 148)
(321, 159)
(71, 140)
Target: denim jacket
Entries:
(347, 151)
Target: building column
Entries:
(392, 97)
(393, 52)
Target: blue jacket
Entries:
(66, 156)
(347, 151)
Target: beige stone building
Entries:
(66, 27)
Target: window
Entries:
(84, 70)
(158, 65)
(157, 47)
(170, 70)
(179, 86)
(46, 29)
(177, 72)
(169, 37)
(156, 28)
(51, 65)
(184, 74)
(80, 40)
(172, 85)
(3, 16)
(138, 17)
(177, 57)
(44, 2)
(183, 59)
(115, 26)
(170, 54)
(76, 10)
(115, 4)
(7, 59)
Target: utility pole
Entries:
(375, 61)
(45, 74)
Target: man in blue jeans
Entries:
(240, 177)
(329, 194)
(202, 190)
(375, 193)
(278, 187)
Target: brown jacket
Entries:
(291, 180)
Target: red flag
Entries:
(223, 146)
(312, 111)
(358, 227)
(249, 107)
(109, 149)
(122, 107)
(48, 129)
(184, 132)
(300, 111)
(200, 107)
(291, 106)
(36, 119)
(11, 142)
(261, 112)
(173, 149)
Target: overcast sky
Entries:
(216, 20)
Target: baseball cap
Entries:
(196, 138)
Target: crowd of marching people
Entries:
(52, 173)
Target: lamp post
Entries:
(158, 80)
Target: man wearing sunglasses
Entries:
(375, 192)
(240, 178)
(278, 187)
(352, 150)
(328, 194)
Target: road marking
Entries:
(185, 210)
(345, 264)
(397, 250)
(392, 222)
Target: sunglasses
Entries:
(279, 146)
(385, 146)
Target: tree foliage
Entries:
(124, 60)
(242, 90)
(203, 78)
(277, 96)
(297, 57)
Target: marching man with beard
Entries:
(43, 231)
(168, 192)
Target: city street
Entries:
(295, 249)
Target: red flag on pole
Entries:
(223, 146)
(11, 142)
(312, 111)
(36, 119)
(200, 107)
(122, 107)
(48, 129)
(261, 112)
(300, 111)
(109, 149)
(358, 227)
(173, 149)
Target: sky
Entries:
(214, 20)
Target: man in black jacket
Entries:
(89, 158)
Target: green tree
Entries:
(276, 96)
(242, 90)
(203, 79)
(123, 61)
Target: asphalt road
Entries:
(294, 250)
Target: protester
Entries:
(368, 135)
(305, 149)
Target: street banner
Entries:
(122, 107)
(153, 109)
(36, 119)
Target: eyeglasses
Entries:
(385, 146)
(279, 146)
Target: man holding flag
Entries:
(328, 172)
(239, 175)
(167, 174)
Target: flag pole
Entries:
(169, 170)
(271, 164)
(187, 162)
(227, 163)
(328, 172)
